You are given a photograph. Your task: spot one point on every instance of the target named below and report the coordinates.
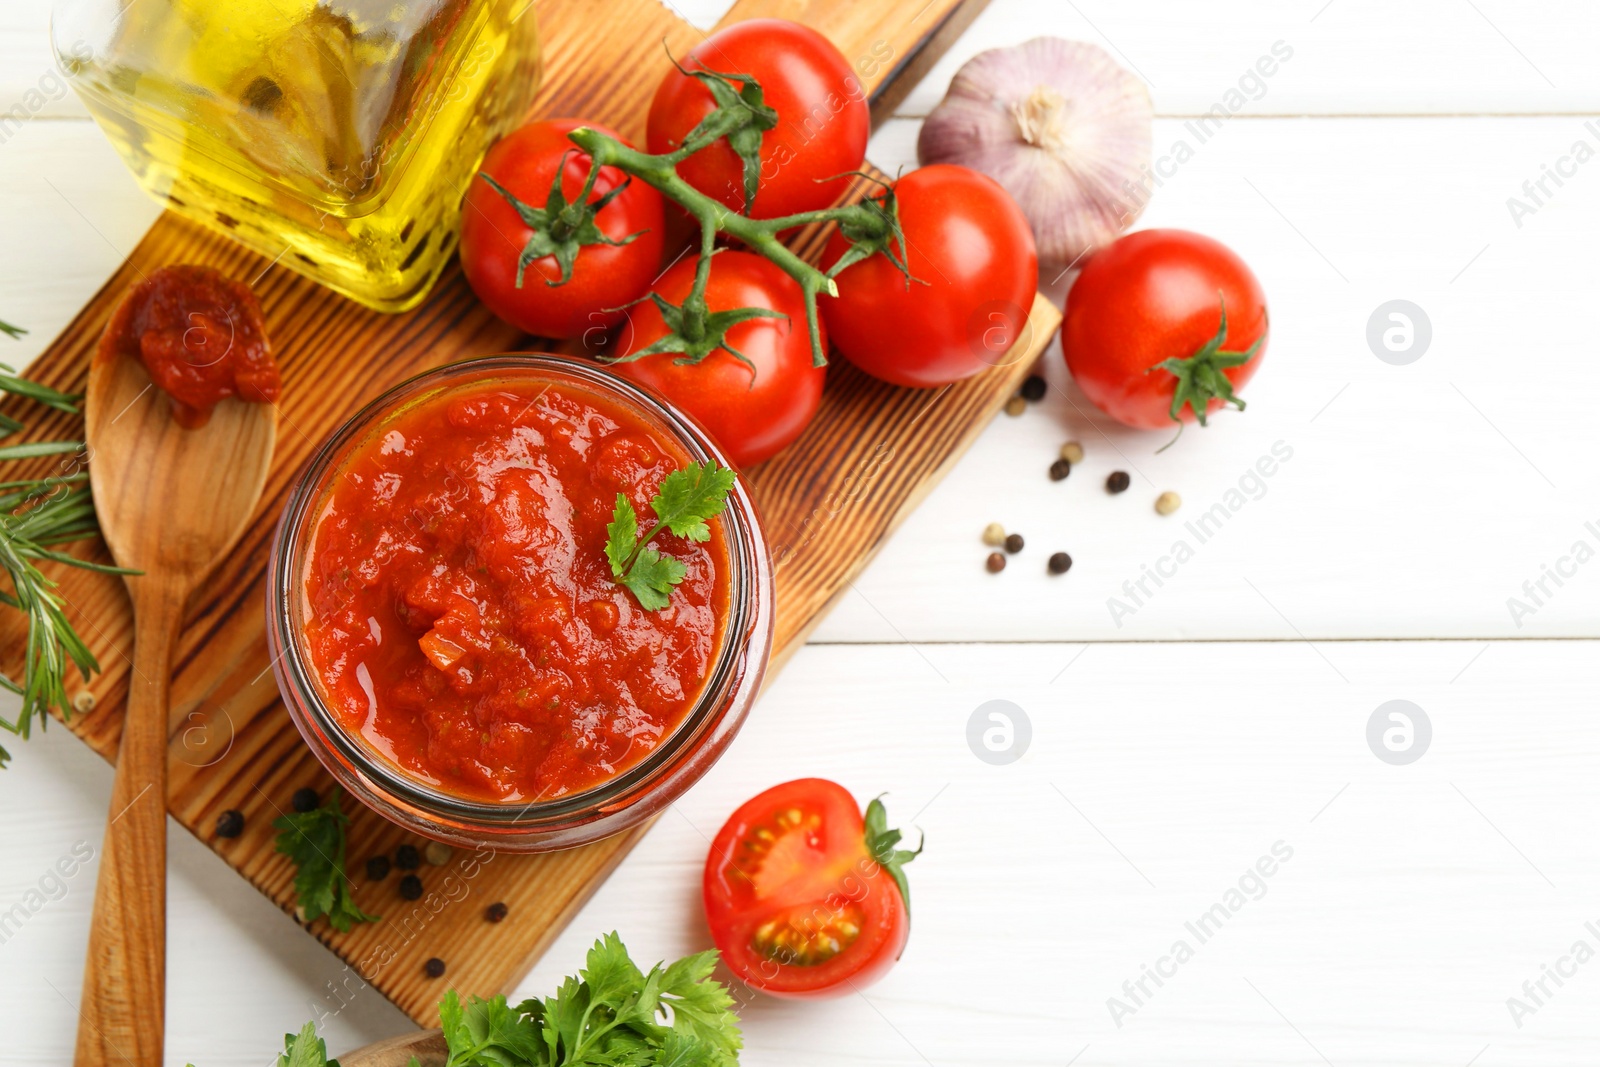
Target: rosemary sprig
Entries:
(37, 514)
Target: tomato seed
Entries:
(1118, 482)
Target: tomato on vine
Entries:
(812, 133)
(537, 262)
(750, 380)
(805, 895)
(736, 338)
(973, 273)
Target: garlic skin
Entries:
(1062, 127)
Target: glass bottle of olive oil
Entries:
(336, 137)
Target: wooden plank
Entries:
(1191, 759)
(871, 454)
(1416, 502)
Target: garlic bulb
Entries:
(1062, 127)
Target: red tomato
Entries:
(750, 414)
(1152, 296)
(970, 243)
(604, 276)
(797, 903)
(823, 119)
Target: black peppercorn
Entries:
(434, 967)
(1033, 388)
(1059, 470)
(1013, 543)
(1118, 481)
(230, 823)
(495, 912)
(407, 858)
(305, 800)
(411, 887)
(377, 868)
(1060, 563)
(995, 563)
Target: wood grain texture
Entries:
(428, 1048)
(171, 501)
(828, 503)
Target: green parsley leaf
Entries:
(315, 841)
(683, 504)
(881, 844)
(488, 1033)
(622, 536)
(689, 497)
(701, 1007)
(652, 577)
(305, 1049)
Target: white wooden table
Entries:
(1226, 716)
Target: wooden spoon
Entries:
(427, 1046)
(171, 501)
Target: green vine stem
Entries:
(872, 220)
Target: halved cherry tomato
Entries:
(823, 119)
(751, 409)
(804, 896)
(604, 276)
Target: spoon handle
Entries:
(122, 1016)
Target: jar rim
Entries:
(748, 620)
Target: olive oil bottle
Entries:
(336, 137)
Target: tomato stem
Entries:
(1200, 376)
(870, 221)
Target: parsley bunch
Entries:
(611, 1015)
(684, 502)
(315, 840)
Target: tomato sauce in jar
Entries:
(460, 612)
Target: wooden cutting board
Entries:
(828, 502)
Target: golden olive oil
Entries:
(336, 137)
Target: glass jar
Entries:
(335, 137)
(677, 761)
